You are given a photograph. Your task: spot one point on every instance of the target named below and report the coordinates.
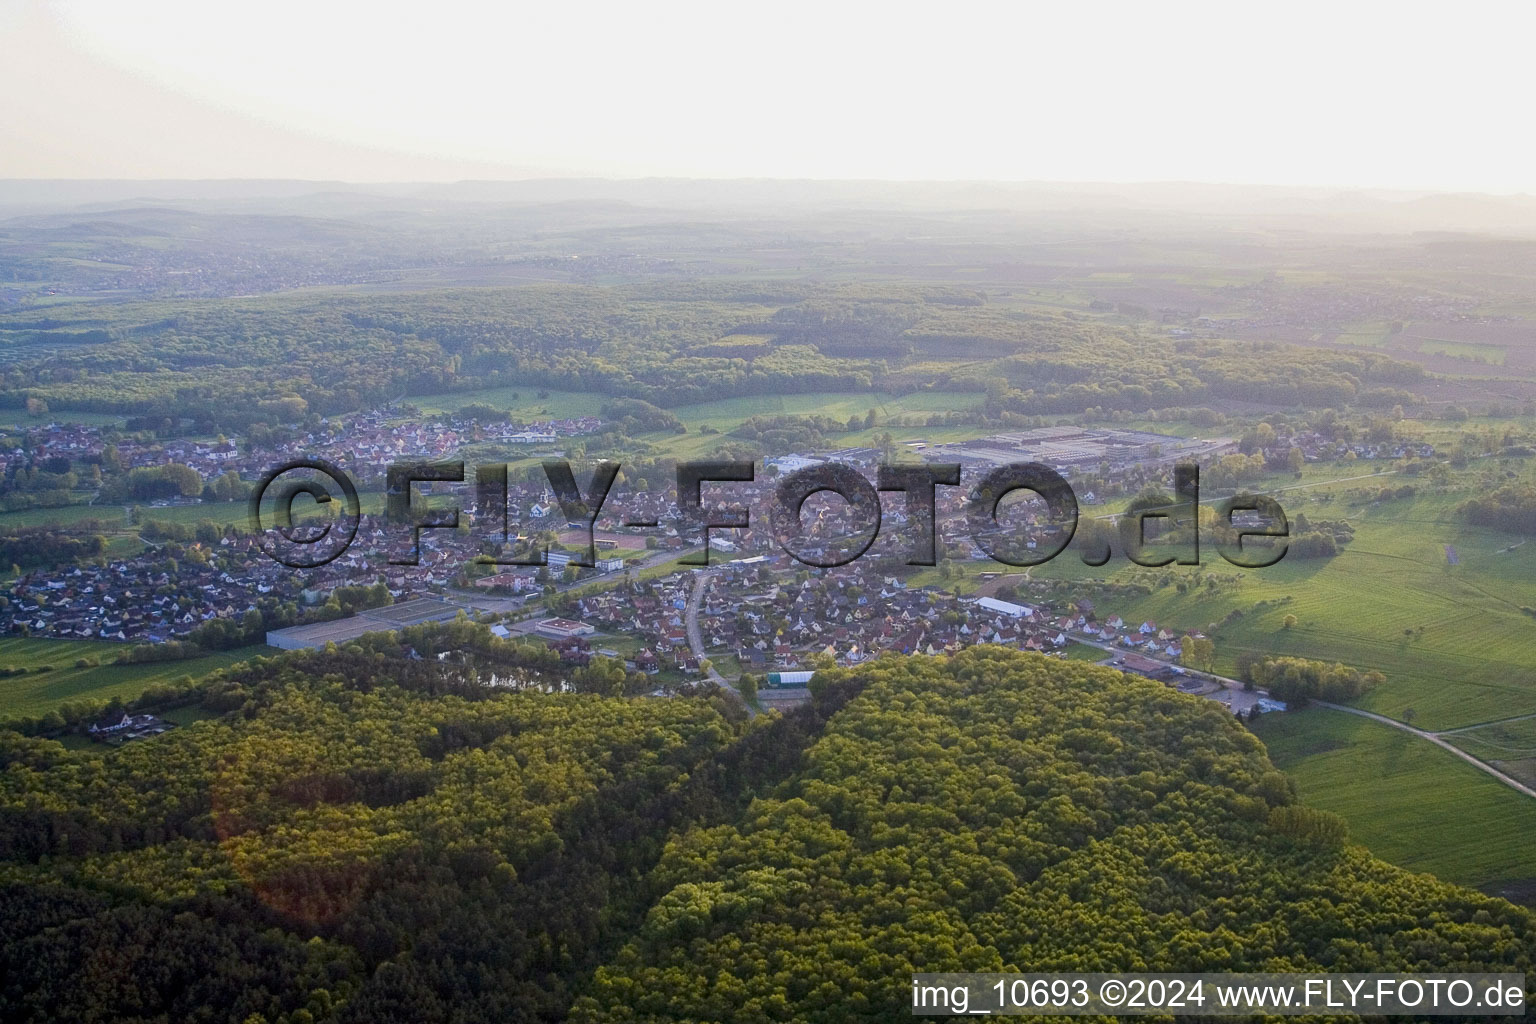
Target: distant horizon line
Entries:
(770, 179)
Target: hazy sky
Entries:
(1390, 95)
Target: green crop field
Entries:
(188, 714)
(1493, 354)
(114, 518)
(37, 692)
(19, 419)
(1372, 335)
(1408, 801)
(838, 404)
(1451, 639)
(521, 403)
(110, 516)
(723, 415)
(1509, 746)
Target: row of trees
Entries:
(1301, 679)
(31, 547)
(1511, 507)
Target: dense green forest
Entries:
(236, 362)
(363, 837)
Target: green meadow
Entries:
(1408, 801)
(1509, 746)
(1372, 335)
(522, 403)
(729, 413)
(110, 516)
(1452, 640)
(723, 415)
(1075, 651)
(1492, 354)
(525, 403)
(40, 690)
(21, 420)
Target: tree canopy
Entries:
(365, 837)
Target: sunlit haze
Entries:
(1389, 96)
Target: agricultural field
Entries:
(19, 419)
(114, 518)
(1407, 801)
(1490, 354)
(730, 413)
(1371, 335)
(189, 713)
(39, 690)
(521, 403)
(723, 415)
(1453, 641)
(110, 516)
(1509, 746)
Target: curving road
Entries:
(701, 578)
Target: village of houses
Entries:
(761, 612)
(365, 446)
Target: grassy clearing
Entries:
(1075, 651)
(671, 566)
(114, 518)
(1408, 801)
(38, 692)
(189, 714)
